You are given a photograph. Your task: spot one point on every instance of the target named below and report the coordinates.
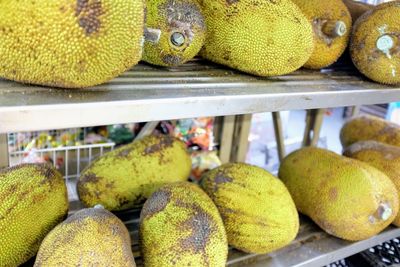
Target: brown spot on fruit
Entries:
(156, 203)
(201, 227)
(333, 194)
(89, 178)
(230, 2)
(124, 152)
(172, 60)
(164, 141)
(184, 14)
(220, 179)
(88, 13)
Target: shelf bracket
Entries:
(147, 129)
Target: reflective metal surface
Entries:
(196, 89)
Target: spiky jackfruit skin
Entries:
(33, 200)
(90, 237)
(347, 198)
(328, 47)
(379, 66)
(368, 127)
(181, 226)
(69, 43)
(264, 38)
(169, 17)
(127, 176)
(385, 158)
(258, 212)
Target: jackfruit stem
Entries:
(177, 39)
(334, 28)
(152, 35)
(385, 43)
(384, 211)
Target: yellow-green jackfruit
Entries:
(331, 21)
(33, 200)
(175, 31)
(375, 43)
(181, 226)
(90, 237)
(367, 127)
(264, 38)
(69, 43)
(258, 212)
(381, 156)
(125, 177)
(347, 198)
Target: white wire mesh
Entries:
(70, 161)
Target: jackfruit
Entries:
(385, 158)
(125, 177)
(375, 43)
(258, 212)
(33, 200)
(175, 31)
(331, 21)
(357, 8)
(264, 38)
(69, 43)
(366, 127)
(347, 198)
(90, 237)
(180, 226)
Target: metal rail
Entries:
(195, 89)
(312, 247)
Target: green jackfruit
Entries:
(90, 237)
(258, 211)
(175, 31)
(375, 43)
(365, 128)
(33, 200)
(331, 21)
(345, 197)
(69, 43)
(264, 38)
(125, 177)
(181, 226)
(385, 158)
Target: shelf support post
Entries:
(279, 137)
(314, 120)
(240, 143)
(225, 148)
(4, 161)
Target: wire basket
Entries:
(69, 161)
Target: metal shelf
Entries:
(312, 247)
(196, 89)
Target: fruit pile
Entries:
(352, 197)
(82, 43)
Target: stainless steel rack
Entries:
(147, 93)
(196, 89)
(312, 247)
